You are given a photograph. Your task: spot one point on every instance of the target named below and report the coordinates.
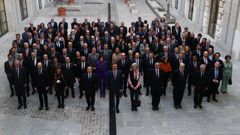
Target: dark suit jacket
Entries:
(42, 79)
(8, 69)
(114, 85)
(68, 73)
(201, 82)
(212, 75)
(156, 82)
(177, 81)
(125, 68)
(90, 84)
(20, 81)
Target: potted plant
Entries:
(71, 1)
(61, 9)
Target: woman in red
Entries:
(165, 66)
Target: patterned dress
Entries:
(227, 73)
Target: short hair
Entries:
(228, 57)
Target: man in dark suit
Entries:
(193, 67)
(156, 86)
(148, 68)
(8, 67)
(54, 27)
(138, 61)
(201, 80)
(207, 45)
(19, 83)
(68, 72)
(90, 87)
(114, 83)
(24, 63)
(33, 66)
(124, 66)
(65, 24)
(205, 60)
(107, 54)
(82, 69)
(42, 80)
(48, 66)
(176, 31)
(179, 82)
(215, 77)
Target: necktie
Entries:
(115, 75)
(201, 74)
(39, 71)
(89, 75)
(182, 74)
(123, 62)
(216, 73)
(18, 72)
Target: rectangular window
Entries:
(190, 12)
(176, 4)
(23, 8)
(3, 19)
(40, 4)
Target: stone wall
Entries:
(14, 15)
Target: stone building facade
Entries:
(217, 18)
(15, 12)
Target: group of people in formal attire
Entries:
(104, 56)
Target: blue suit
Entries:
(114, 85)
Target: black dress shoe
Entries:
(180, 106)
(215, 100)
(135, 109)
(92, 108)
(117, 110)
(28, 95)
(47, 108)
(73, 96)
(33, 92)
(80, 96)
(125, 95)
(59, 106)
(208, 100)
(25, 107)
(12, 95)
(156, 108)
(195, 107)
(176, 107)
(40, 108)
(50, 92)
(88, 107)
(19, 107)
(66, 96)
(189, 94)
(153, 108)
(200, 106)
(217, 92)
(147, 94)
(63, 105)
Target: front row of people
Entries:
(205, 82)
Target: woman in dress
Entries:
(59, 86)
(165, 66)
(134, 85)
(227, 73)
